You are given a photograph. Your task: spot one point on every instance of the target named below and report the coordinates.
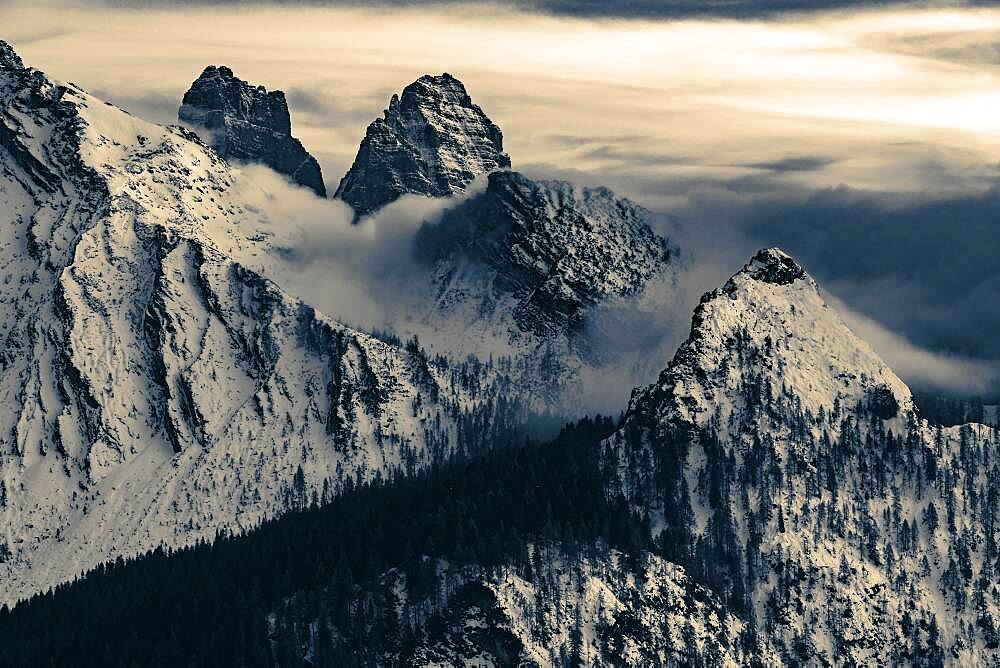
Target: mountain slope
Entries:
(556, 608)
(783, 463)
(432, 140)
(783, 531)
(554, 248)
(248, 123)
(154, 389)
(339, 585)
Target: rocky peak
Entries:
(768, 330)
(436, 90)
(9, 60)
(558, 249)
(432, 140)
(249, 123)
(771, 443)
(772, 265)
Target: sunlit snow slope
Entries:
(783, 463)
(154, 389)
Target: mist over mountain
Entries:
(740, 153)
(664, 341)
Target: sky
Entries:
(865, 141)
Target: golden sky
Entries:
(869, 99)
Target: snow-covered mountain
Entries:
(154, 389)
(768, 330)
(520, 268)
(248, 123)
(799, 511)
(779, 499)
(782, 462)
(546, 251)
(525, 268)
(432, 140)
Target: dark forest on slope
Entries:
(206, 605)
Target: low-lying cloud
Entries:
(364, 274)
(940, 373)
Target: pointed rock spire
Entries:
(249, 123)
(767, 327)
(432, 140)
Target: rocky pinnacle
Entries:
(432, 140)
(249, 123)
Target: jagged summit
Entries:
(557, 249)
(249, 123)
(768, 265)
(773, 265)
(432, 140)
(430, 85)
(769, 327)
(9, 58)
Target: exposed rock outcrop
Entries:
(555, 248)
(249, 123)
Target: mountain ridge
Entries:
(143, 354)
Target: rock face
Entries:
(786, 469)
(249, 123)
(432, 140)
(555, 249)
(154, 389)
(9, 58)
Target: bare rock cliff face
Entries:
(432, 140)
(249, 123)
(553, 248)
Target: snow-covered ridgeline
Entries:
(154, 389)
